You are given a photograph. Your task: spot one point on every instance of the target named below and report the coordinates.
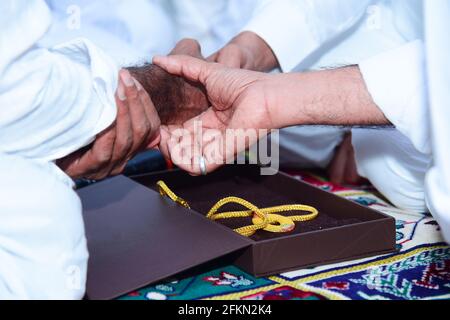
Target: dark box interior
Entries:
(136, 237)
(260, 191)
(343, 230)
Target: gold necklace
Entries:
(267, 219)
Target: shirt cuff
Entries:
(397, 83)
(104, 74)
(101, 110)
(290, 38)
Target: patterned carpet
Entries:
(421, 270)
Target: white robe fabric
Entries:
(53, 101)
(134, 31)
(212, 23)
(312, 35)
(410, 85)
(129, 31)
(407, 78)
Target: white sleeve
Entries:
(410, 85)
(396, 81)
(294, 29)
(54, 101)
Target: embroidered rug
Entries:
(420, 270)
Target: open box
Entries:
(136, 237)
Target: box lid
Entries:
(136, 237)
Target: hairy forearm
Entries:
(332, 97)
(175, 99)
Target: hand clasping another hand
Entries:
(238, 110)
(136, 129)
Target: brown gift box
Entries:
(136, 237)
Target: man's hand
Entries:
(246, 51)
(136, 128)
(188, 47)
(238, 102)
(243, 99)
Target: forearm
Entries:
(330, 97)
(175, 99)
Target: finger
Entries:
(187, 148)
(163, 145)
(213, 57)
(211, 149)
(154, 137)
(70, 164)
(230, 56)
(189, 47)
(214, 150)
(124, 137)
(139, 121)
(180, 151)
(187, 67)
(95, 163)
(182, 148)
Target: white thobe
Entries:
(134, 31)
(128, 31)
(307, 35)
(212, 23)
(53, 102)
(410, 85)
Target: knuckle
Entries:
(117, 156)
(190, 42)
(132, 93)
(128, 142)
(142, 129)
(102, 158)
(147, 103)
(122, 112)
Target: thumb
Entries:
(190, 68)
(188, 47)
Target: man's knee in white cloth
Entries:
(43, 250)
(309, 147)
(392, 164)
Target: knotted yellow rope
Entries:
(263, 219)
(164, 190)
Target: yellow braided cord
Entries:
(164, 190)
(245, 231)
(263, 219)
(279, 209)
